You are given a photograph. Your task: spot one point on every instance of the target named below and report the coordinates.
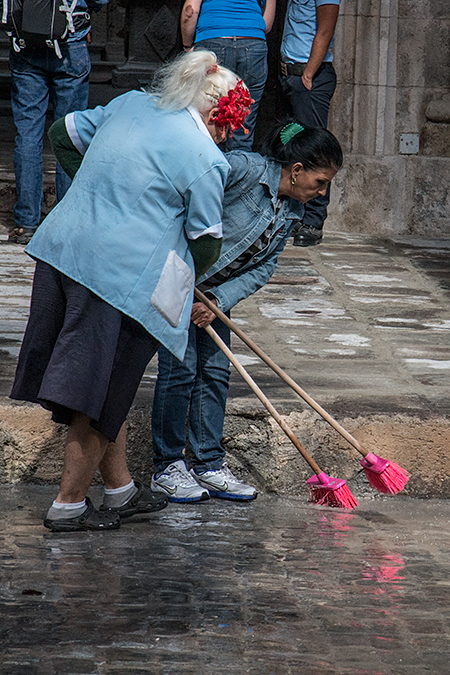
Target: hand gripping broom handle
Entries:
(263, 398)
(280, 372)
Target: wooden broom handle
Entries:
(263, 398)
(281, 373)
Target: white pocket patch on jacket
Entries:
(172, 290)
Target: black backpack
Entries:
(36, 23)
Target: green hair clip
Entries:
(289, 131)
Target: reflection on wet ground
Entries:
(276, 587)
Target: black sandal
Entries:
(144, 501)
(90, 519)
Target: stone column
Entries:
(392, 58)
(364, 105)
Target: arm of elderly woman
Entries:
(201, 316)
(63, 148)
(205, 251)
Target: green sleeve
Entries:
(65, 151)
(205, 251)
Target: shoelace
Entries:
(184, 479)
(227, 474)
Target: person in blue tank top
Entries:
(236, 32)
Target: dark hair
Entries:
(314, 147)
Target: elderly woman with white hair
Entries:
(116, 265)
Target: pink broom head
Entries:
(383, 475)
(330, 492)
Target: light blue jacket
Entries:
(149, 181)
(249, 206)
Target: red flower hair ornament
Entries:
(234, 108)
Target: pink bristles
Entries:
(383, 475)
(328, 491)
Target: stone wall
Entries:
(393, 63)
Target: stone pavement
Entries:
(362, 323)
(276, 587)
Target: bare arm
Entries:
(269, 14)
(188, 22)
(327, 16)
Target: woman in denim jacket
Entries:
(264, 197)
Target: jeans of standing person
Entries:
(198, 387)
(37, 76)
(310, 107)
(247, 57)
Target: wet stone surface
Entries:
(357, 322)
(276, 587)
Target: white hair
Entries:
(192, 79)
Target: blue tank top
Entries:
(230, 18)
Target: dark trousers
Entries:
(196, 389)
(80, 353)
(310, 107)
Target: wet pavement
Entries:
(362, 324)
(276, 587)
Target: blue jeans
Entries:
(310, 107)
(248, 59)
(197, 387)
(38, 76)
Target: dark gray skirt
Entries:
(80, 354)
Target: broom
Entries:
(322, 488)
(382, 474)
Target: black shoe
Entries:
(20, 235)
(90, 519)
(307, 236)
(144, 501)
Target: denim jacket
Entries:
(249, 206)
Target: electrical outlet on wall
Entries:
(409, 144)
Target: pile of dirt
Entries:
(258, 451)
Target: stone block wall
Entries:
(393, 63)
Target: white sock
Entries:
(115, 497)
(61, 510)
(116, 491)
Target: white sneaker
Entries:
(178, 485)
(224, 485)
